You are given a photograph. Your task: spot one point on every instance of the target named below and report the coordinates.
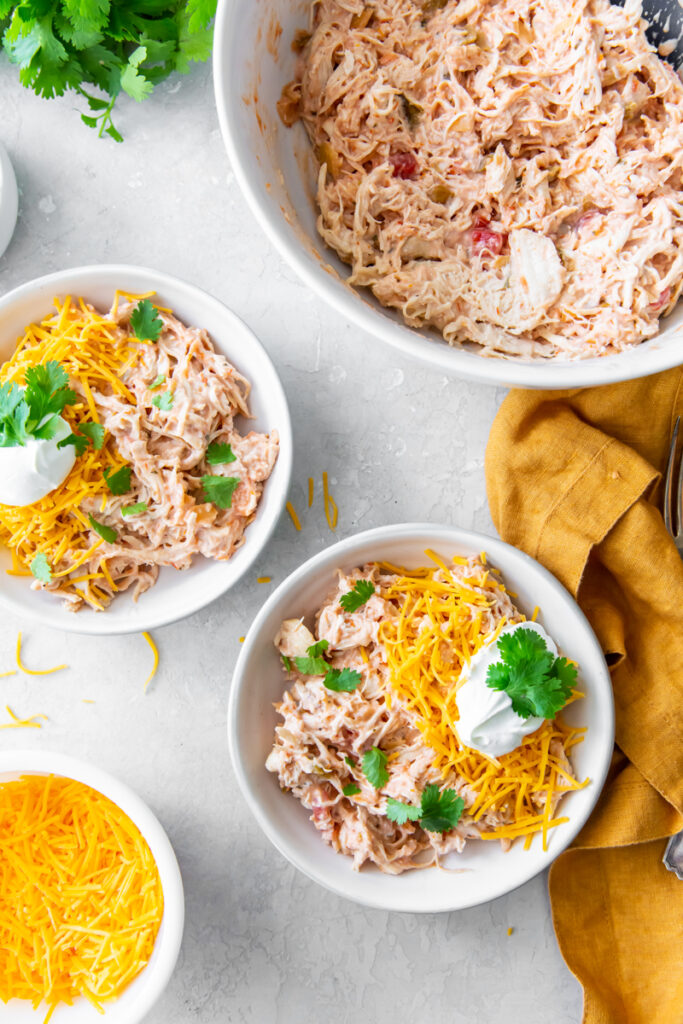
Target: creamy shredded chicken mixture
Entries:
(321, 729)
(166, 450)
(505, 171)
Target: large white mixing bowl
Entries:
(274, 165)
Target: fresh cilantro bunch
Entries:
(33, 412)
(537, 682)
(111, 46)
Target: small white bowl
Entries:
(9, 199)
(486, 872)
(176, 594)
(276, 171)
(138, 998)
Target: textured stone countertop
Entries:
(263, 945)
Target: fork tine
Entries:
(669, 480)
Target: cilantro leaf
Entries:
(361, 592)
(134, 510)
(313, 664)
(79, 442)
(537, 683)
(118, 482)
(40, 567)
(350, 761)
(158, 381)
(218, 454)
(164, 401)
(201, 12)
(145, 322)
(286, 662)
(93, 431)
(351, 789)
(220, 489)
(401, 813)
(105, 532)
(46, 394)
(440, 812)
(87, 15)
(374, 764)
(134, 82)
(344, 680)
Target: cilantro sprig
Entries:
(32, 412)
(145, 322)
(88, 434)
(538, 683)
(374, 765)
(218, 454)
(98, 50)
(340, 680)
(118, 482)
(439, 811)
(40, 567)
(220, 489)
(361, 592)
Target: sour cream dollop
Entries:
(28, 472)
(487, 722)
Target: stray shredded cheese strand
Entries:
(331, 512)
(34, 671)
(155, 665)
(311, 491)
(81, 901)
(22, 723)
(293, 516)
(264, 579)
(441, 625)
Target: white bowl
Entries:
(175, 594)
(258, 682)
(138, 998)
(276, 171)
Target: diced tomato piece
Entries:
(485, 240)
(404, 164)
(661, 302)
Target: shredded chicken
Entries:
(505, 171)
(166, 449)
(320, 744)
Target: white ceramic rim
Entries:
(169, 938)
(99, 625)
(329, 559)
(551, 374)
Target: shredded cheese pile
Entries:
(95, 353)
(442, 623)
(80, 897)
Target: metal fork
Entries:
(673, 520)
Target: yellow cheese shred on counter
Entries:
(95, 353)
(80, 896)
(443, 621)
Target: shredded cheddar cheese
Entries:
(331, 511)
(81, 899)
(34, 671)
(92, 350)
(311, 491)
(155, 664)
(32, 722)
(293, 516)
(441, 625)
(264, 579)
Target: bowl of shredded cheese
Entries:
(465, 182)
(421, 718)
(92, 908)
(145, 449)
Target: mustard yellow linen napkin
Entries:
(574, 478)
